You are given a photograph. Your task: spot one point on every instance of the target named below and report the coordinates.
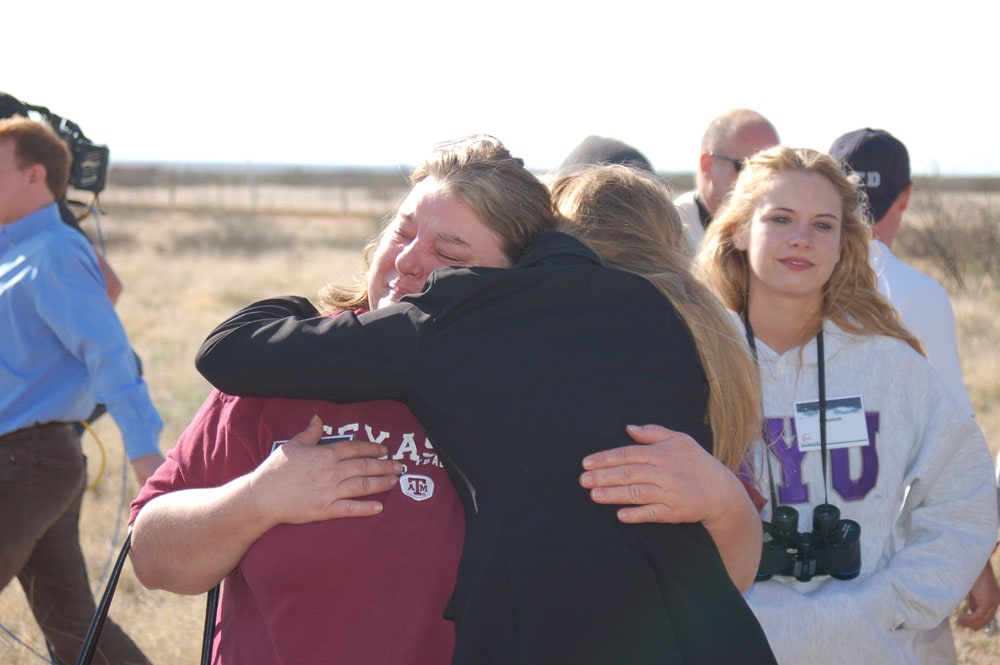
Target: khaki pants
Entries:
(42, 477)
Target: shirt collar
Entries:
(703, 214)
(30, 225)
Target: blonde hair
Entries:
(480, 172)
(626, 216)
(850, 297)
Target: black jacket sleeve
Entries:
(282, 347)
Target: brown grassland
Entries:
(190, 254)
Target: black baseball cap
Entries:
(604, 150)
(882, 162)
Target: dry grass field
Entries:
(187, 265)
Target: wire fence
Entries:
(286, 191)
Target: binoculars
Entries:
(833, 547)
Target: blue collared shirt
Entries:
(62, 347)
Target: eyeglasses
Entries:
(737, 163)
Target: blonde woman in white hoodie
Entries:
(855, 419)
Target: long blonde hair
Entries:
(626, 216)
(850, 297)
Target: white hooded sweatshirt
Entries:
(924, 453)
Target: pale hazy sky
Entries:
(378, 83)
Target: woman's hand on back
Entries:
(669, 478)
(304, 482)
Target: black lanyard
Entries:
(821, 379)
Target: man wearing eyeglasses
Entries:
(729, 139)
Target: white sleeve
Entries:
(946, 528)
(948, 523)
(937, 334)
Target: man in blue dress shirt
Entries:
(63, 351)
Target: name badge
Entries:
(845, 424)
(323, 441)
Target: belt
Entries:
(34, 428)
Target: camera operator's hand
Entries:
(669, 478)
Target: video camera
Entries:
(833, 547)
(89, 169)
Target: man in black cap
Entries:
(883, 164)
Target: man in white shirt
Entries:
(883, 163)
(728, 141)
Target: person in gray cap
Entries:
(604, 150)
(883, 164)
